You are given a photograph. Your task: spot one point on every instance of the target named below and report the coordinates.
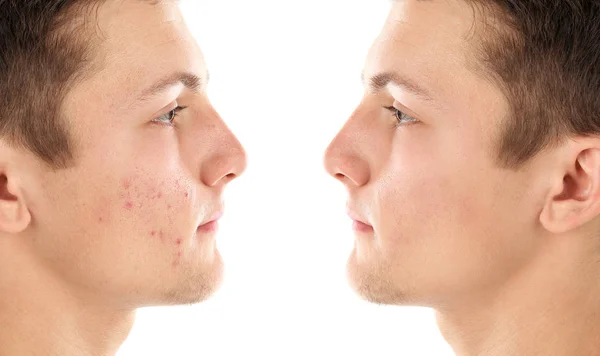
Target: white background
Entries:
(285, 75)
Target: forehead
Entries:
(427, 40)
(140, 43)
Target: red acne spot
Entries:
(179, 241)
(153, 233)
(100, 219)
(159, 195)
(169, 206)
(128, 205)
(126, 183)
(178, 258)
(187, 195)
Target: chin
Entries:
(373, 282)
(195, 286)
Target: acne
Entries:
(126, 183)
(177, 259)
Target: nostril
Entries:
(340, 176)
(230, 177)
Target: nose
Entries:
(226, 162)
(343, 160)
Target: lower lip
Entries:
(212, 226)
(361, 227)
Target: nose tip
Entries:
(329, 161)
(226, 163)
(331, 166)
(240, 163)
(345, 166)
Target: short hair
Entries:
(42, 52)
(46, 47)
(545, 56)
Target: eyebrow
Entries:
(190, 81)
(380, 81)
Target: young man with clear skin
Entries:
(473, 170)
(112, 163)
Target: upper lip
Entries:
(354, 216)
(218, 214)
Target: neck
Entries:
(551, 308)
(41, 315)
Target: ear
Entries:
(575, 197)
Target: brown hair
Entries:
(545, 56)
(42, 53)
(46, 47)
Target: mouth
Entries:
(212, 224)
(359, 224)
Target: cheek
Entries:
(424, 201)
(155, 209)
(447, 217)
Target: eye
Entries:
(169, 117)
(401, 116)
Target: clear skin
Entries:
(508, 257)
(82, 248)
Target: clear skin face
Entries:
(120, 227)
(417, 180)
(448, 223)
(507, 257)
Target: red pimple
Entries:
(100, 219)
(126, 183)
(187, 194)
(159, 195)
(153, 233)
(128, 205)
(179, 241)
(177, 260)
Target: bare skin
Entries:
(131, 224)
(509, 258)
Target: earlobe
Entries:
(575, 198)
(14, 213)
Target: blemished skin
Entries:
(133, 222)
(508, 258)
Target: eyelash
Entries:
(172, 116)
(399, 116)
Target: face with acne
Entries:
(128, 220)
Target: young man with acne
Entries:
(112, 163)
